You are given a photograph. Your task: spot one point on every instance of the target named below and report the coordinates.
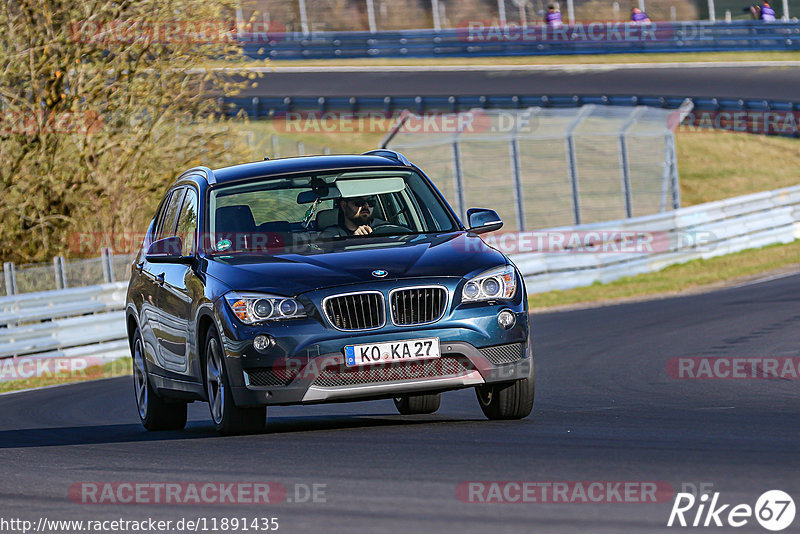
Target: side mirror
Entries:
(167, 250)
(482, 220)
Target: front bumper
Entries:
(326, 379)
(306, 364)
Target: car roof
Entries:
(301, 164)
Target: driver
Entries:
(355, 217)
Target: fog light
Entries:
(263, 343)
(506, 319)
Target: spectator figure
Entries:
(638, 16)
(767, 13)
(553, 17)
(754, 10)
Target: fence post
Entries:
(301, 148)
(303, 18)
(572, 164)
(62, 266)
(516, 176)
(108, 267)
(276, 153)
(674, 176)
(57, 272)
(712, 14)
(623, 154)
(10, 275)
(458, 180)
(371, 16)
(501, 11)
(665, 176)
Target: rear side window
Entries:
(187, 222)
(166, 227)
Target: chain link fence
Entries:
(546, 167)
(62, 273)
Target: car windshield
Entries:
(273, 213)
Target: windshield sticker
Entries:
(223, 244)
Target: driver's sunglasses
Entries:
(363, 201)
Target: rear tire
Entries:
(155, 412)
(512, 400)
(418, 404)
(228, 419)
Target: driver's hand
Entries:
(363, 230)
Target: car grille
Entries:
(504, 353)
(418, 305)
(356, 311)
(444, 367)
(267, 377)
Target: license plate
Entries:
(394, 351)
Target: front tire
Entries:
(228, 419)
(155, 412)
(418, 404)
(512, 400)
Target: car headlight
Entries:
(498, 283)
(253, 308)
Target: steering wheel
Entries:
(389, 228)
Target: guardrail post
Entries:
(10, 275)
(108, 267)
(458, 181)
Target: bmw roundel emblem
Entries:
(380, 273)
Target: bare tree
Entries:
(99, 110)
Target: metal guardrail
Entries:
(277, 107)
(67, 323)
(701, 231)
(478, 38)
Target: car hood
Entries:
(353, 261)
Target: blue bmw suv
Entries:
(321, 279)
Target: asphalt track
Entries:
(606, 410)
(768, 82)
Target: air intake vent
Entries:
(356, 311)
(418, 305)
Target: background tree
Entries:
(101, 106)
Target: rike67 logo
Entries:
(774, 510)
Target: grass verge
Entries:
(715, 165)
(119, 367)
(677, 279)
